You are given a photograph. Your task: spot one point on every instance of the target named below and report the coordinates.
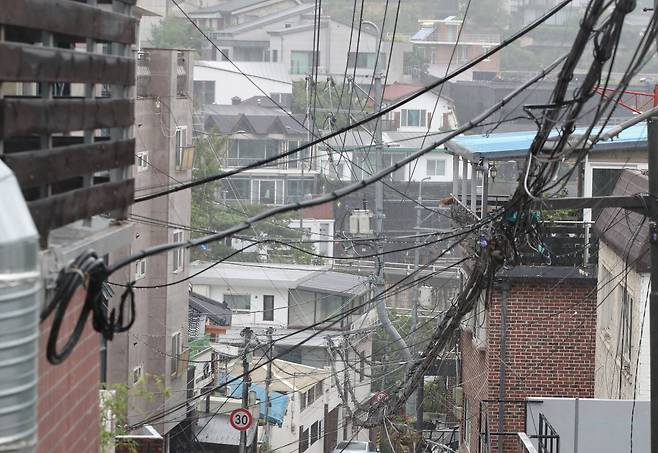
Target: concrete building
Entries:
(254, 130)
(435, 42)
(286, 36)
(155, 347)
(288, 299)
(211, 78)
(231, 13)
(622, 332)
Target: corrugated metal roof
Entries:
(335, 283)
(219, 312)
(423, 33)
(516, 144)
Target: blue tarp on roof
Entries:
(279, 400)
(516, 144)
(423, 33)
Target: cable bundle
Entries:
(90, 272)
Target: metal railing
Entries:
(548, 439)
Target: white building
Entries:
(289, 298)
(356, 160)
(622, 328)
(211, 78)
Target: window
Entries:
(176, 351)
(626, 325)
(142, 161)
(413, 118)
(436, 167)
(315, 432)
(140, 269)
(181, 143)
(302, 402)
(463, 54)
(301, 61)
(323, 246)
(275, 55)
(303, 439)
(318, 389)
(268, 308)
(137, 374)
(238, 302)
(363, 60)
(179, 253)
(237, 188)
(480, 320)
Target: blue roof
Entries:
(279, 401)
(503, 145)
(423, 33)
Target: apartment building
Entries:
(156, 346)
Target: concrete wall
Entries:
(602, 426)
(611, 366)
(161, 311)
(255, 314)
(239, 84)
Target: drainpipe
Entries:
(20, 299)
(504, 288)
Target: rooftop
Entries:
(626, 232)
(263, 70)
(507, 145)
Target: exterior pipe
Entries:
(501, 366)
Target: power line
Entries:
(536, 23)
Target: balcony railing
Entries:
(70, 153)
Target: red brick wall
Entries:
(550, 347)
(474, 379)
(68, 411)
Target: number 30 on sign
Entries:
(241, 419)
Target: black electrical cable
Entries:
(536, 23)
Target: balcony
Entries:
(62, 132)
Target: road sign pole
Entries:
(246, 335)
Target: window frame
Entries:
(434, 163)
(142, 162)
(140, 269)
(404, 117)
(238, 310)
(176, 341)
(178, 255)
(180, 143)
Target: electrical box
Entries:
(360, 222)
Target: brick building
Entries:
(534, 337)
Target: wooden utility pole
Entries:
(246, 380)
(268, 382)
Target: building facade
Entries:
(153, 351)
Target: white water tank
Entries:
(20, 301)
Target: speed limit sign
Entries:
(241, 419)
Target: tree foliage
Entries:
(176, 33)
(211, 213)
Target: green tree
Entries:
(176, 33)
(211, 213)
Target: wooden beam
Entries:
(61, 209)
(70, 18)
(34, 168)
(27, 63)
(26, 116)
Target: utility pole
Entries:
(418, 403)
(246, 381)
(380, 302)
(268, 382)
(652, 133)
